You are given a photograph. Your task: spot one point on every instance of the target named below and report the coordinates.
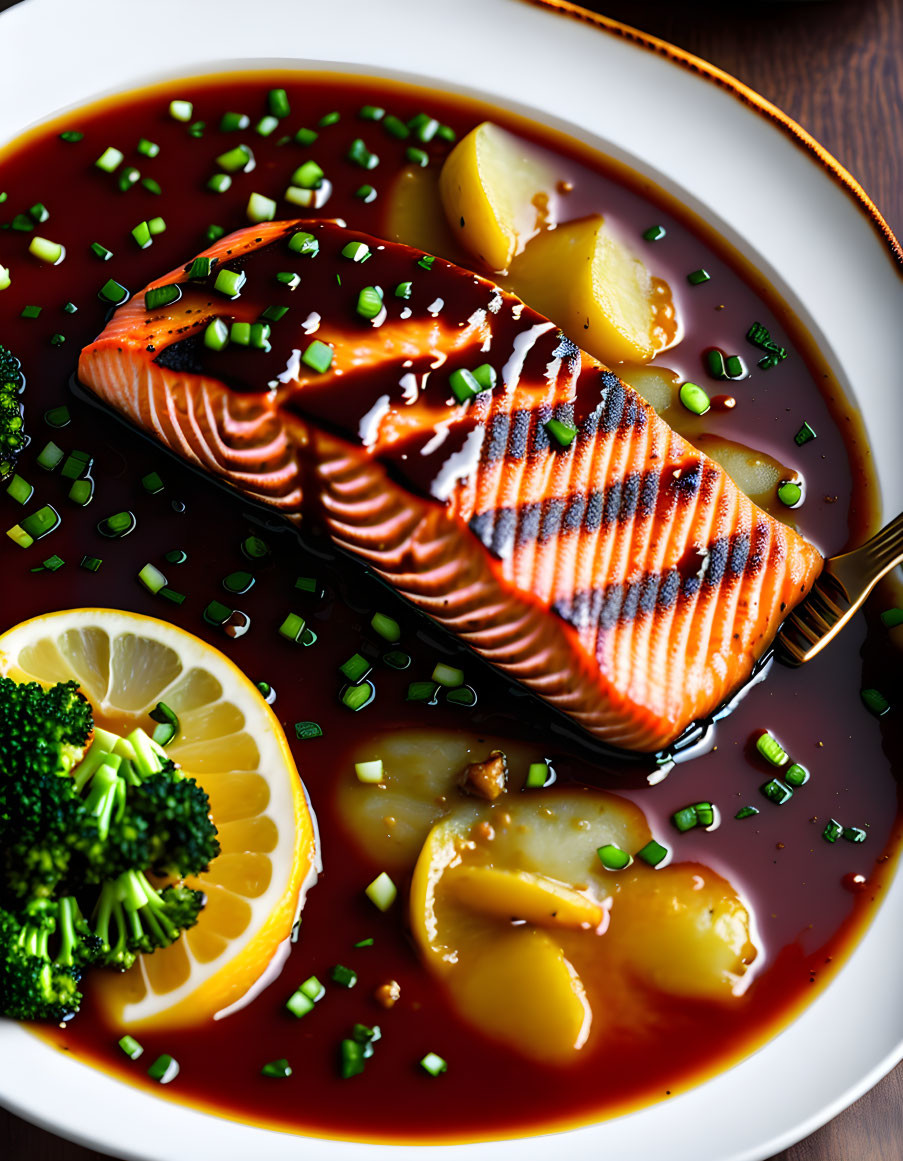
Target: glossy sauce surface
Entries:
(807, 899)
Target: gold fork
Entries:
(844, 584)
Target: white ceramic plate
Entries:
(779, 205)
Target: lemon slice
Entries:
(232, 743)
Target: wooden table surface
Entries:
(837, 68)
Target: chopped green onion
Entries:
(735, 367)
(269, 694)
(31, 312)
(277, 103)
(833, 830)
(371, 113)
(694, 398)
(307, 584)
(217, 335)
(715, 364)
(101, 252)
(370, 302)
(118, 525)
(148, 148)
(181, 110)
(50, 457)
(306, 136)
(260, 208)
(82, 491)
(156, 226)
(796, 775)
(425, 261)
(396, 659)
(396, 127)
(463, 695)
(854, 834)
(142, 235)
(175, 556)
(304, 731)
(344, 976)
(423, 127)
(57, 340)
(128, 177)
(746, 812)
(292, 627)
(790, 493)
(685, 819)
(52, 253)
(274, 313)
(366, 193)
(891, 618)
(356, 697)
(771, 750)
(238, 583)
(171, 595)
(277, 1068)
(804, 435)
(266, 125)
(152, 579)
(446, 133)
(356, 668)
(328, 119)
(652, 853)
(537, 775)
(5, 278)
(152, 483)
(237, 160)
(422, 691)
(169, 723)
(303, 243)
(387, 627)
(130, 1047)
(230, 122)
(318, 356)
(254, 548)
(18, 534)
(365, 942)
(369, 771)
(200, 268)
(71, 135)
(464, 385)
(562, 433)
(90, 563)
(219, 183)
(19, 489)
(109, 159)
(613, 858)
(240, 334)
(697, 277)
(356, 251)
(58, 416)
(299, 1003)
(152, 186)
(433, 1064)
(403, 290)
(217, 614)
(485, 376)
(41, 522)
(164, 1069)
(289, 279)
(417, 156)
(77, 464)
(309, 175)
(776, 791)
(874, 701)
(351, 1062)
(447, 675)
(113, 292)
(382, 892)
(160, 296)
(230, 282)
(361, 155)
(654, 233)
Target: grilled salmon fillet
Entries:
(551, 520)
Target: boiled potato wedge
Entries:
(494, 192)
(583, 278)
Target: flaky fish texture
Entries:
(617, 572)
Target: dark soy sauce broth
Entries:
(810, 898)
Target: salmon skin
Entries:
(551, 520)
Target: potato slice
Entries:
(495, 191)
(682, 930)
(586, 280)
(524, 895)
(414, 215)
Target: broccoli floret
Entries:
(133, 917)
(34, 983)
(42, 730)
(174, 813)
(43, 734)
(12, 425)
